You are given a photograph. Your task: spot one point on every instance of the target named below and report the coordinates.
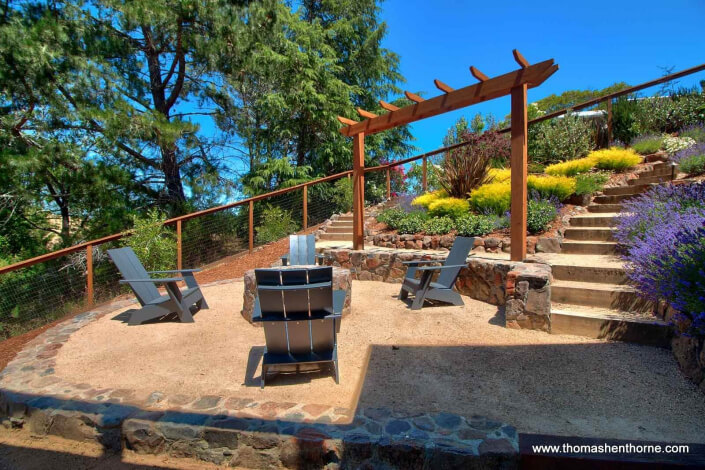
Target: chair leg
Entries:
(420, 294)
(336, 371)
(202, 304)
(403, 294)
(264, 374)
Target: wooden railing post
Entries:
(358, 191)
(251, 230)
(519, 163)
(179, 259)
(89, 275)
(424, 181)
(389, 184)
(305, 207)
(609, 122)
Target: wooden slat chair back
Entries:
(302, 251)
(442, 289)
(300, 320)
(130, 267)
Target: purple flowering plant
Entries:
(660, 233)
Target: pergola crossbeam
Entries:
(442, 86)
(387, 106)
(346, 121)
(365, 114)
(478, 75)
(532, 75)
(520, 59)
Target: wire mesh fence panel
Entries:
(278, 217)
(326, 199)
(212, 237)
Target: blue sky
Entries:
(595, 43)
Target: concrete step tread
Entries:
(588, 242)
(604, 313)
(592, 286)
(592, 215)
(580, 260)
(593, 228)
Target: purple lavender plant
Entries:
(696, 150)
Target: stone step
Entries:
(345, 218)
(633, 190)
(580, 247)
(593, 220)
(334, 228)
(598, 274)
(589, 233)
(596, 294)
(610, 324)
(649, 180)
(597, 208)
(336, 236)
(613, 199)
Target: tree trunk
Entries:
(172, 180)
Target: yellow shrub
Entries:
(499, 175)
(559, 186)
(571, 167)
(615, 159)
(448, 206)
(491, 198)
(425, 200)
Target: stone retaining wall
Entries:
(544, 244)
(688, 351)
(525, 288)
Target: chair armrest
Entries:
(153, 280)
(338, 300)
(423, 261)
(440, 268)
(175, 271)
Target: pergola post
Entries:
(519, 172)
(359, 191)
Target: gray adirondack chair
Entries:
(442, 289)
(302, 251)
(155, 305)
(301, 316)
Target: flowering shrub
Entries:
(566, 138)
(499, 175)
(491, 198)
(448, 206)
(695, 132)
(559, 187)
(692, 159)
(615, 159)
(539, 214)
(426, 199)
(673, 144)
(656, 231)
(571, 167)
(475, 225)
(647, 144)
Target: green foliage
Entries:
(491, 198)
(570, 98)
(438, 225)
(648, 145)
(559, 187)
(415, 177)
(452, 207)
(695, 132)
(590, 183)
(276, 223)
(391, 217)
(152, 242)
(412, 222)
(693, 165)
(471, 225)
(343, 195)
(571, 167)
(615, 159)
(567, 138)
(540, 214)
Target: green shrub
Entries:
(343, 195)
(277, 223)
(438, 225)
(571, 167)
(559, 187)
(695, 132)
(589, 183)
(391, 217)
(412, 222)
(475, 225)
(693, 165)
(615, 159)
(491, 198)
(647, 144)
(448, 206)
(534, 167)
(539, 215)
(154, 245)
(567, 138)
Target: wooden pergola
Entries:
(514, 83)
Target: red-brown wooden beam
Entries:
(519, 172)
(359, 191)
(532, 75)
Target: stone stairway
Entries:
(339, 229)
(589, 293)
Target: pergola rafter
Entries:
(514, 83)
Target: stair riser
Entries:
(336, 236)
(599, 208)
(587, 248)
(589, 274)
(617, 330)
(345, 218)
(633, 190)
(593, 221)
(649, 180)
(337, 229)
(586, 234)
(627, 301)
(613, 199)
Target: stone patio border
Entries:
(237, 431)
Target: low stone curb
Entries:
(237, 431)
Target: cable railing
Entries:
(49, 286)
